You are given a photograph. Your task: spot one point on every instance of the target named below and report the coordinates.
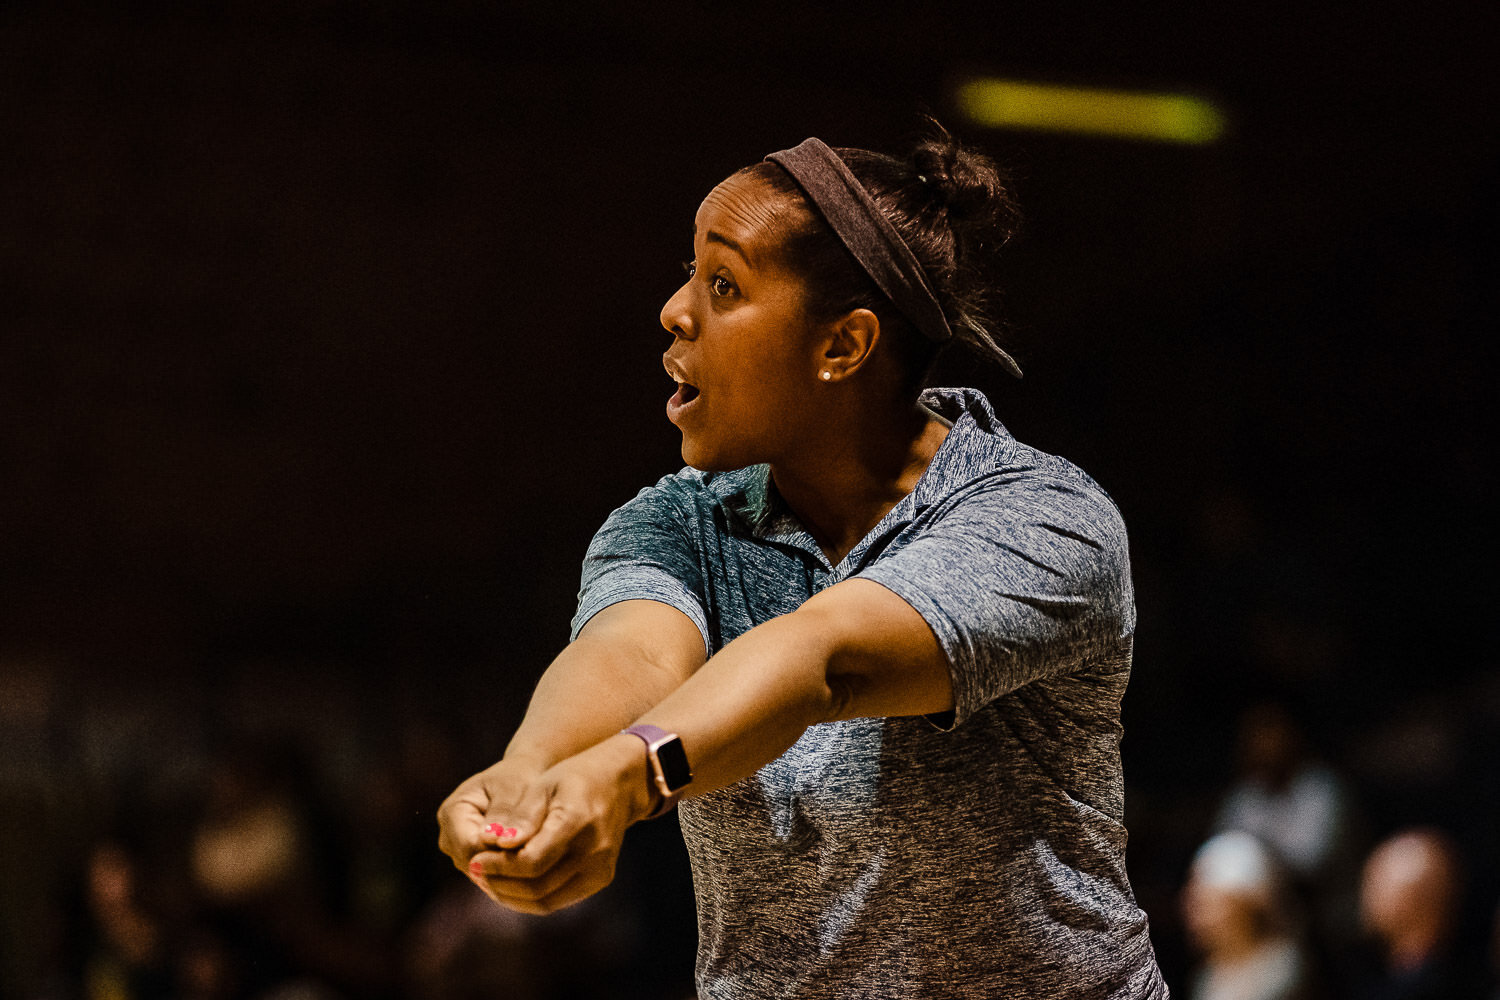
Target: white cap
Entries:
(1237, 862)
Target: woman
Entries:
(888, 641)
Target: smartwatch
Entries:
(668, 762)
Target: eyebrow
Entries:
(715, 237)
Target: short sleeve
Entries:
(1019, 579)
(646, 550)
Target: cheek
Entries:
(770, 398)
(780, 363)
(773, 381)
(760, 370)
(750, 415)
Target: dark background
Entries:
(328, 335)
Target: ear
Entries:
(850, 343)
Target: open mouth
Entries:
(687, 393)
(684, 397)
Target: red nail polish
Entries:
(510, 831)
(476, 868)
(496, 829)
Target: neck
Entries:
(841, 485)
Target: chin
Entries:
(706, 458)
(702, 463)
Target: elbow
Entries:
(838, 698)
(828, 692)
(825, 691)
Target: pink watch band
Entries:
(655, 737)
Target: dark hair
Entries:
(949, 203)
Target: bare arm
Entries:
(627, 658)
(854, 650)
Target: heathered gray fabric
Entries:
(889, 857)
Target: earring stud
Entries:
(827, 376)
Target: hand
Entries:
(501, 806)
(590, 799)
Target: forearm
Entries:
(854, 650)
(749, 703)
(587, 694)
(745, 707)
(631, 657)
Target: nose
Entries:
(676, 317)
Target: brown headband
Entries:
(862, 227)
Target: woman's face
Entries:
(743, 353)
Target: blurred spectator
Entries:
(1409, 901)
(128, 961)
(34, 836)
(1239, 919)
(1301, 809)
(464, 946)
(467, 948)
(1410, 759)
(268, 866)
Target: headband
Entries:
(864, 229)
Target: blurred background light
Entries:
(1155, 117)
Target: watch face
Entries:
(674, 764)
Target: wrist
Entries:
(526, 764)
(632, 773)
(667, 767)
(531, 756)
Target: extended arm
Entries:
(627, 658)
(854, 650)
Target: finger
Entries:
(487, 883)
(514, 822)
(576, 890)
(587, 881)
(559, 835)
(508, 887)
(486, 864)
(518, 892)
(566, 894)
(460, 826)
(581, 856)
(484, 885)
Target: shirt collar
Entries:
(976, 443)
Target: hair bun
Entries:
(967, 185)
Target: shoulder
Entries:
(692, 489)
(1038, 490)
(690, 503)
(692, 485)
(983, 465)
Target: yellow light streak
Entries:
(1156, 117)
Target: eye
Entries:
(721, 285)
(691, 267)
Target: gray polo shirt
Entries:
(981, 855)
